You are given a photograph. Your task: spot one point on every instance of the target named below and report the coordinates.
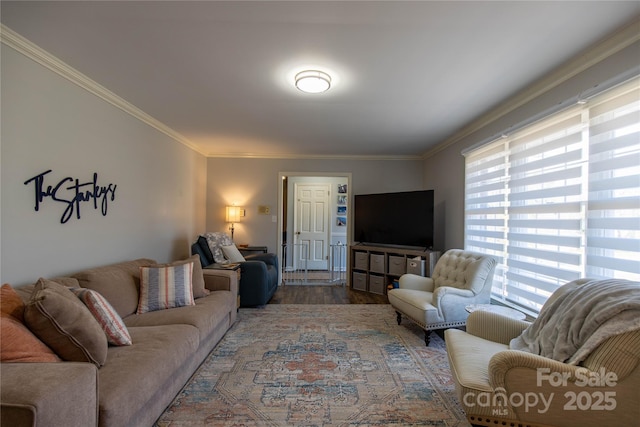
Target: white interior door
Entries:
(311, 226)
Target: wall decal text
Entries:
(72, 193)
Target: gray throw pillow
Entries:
(56, 316)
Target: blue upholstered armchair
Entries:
(258, 277)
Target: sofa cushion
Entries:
(118, 283)
(117, 286)
(134, 374)
(199, 289)
(61, 320)
(69, 282)
(17, 342)
(163, 287)
(415, 304)
(106, 315)
(469, 356)
(206, 315)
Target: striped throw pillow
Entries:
(111, 323)
(165, 286)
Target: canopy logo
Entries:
(594, 393)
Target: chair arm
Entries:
(504, 361)
(254, 283)
(253, 270)
(450, 302)
(495, 327)
(451, 291)
(268, 258)
(416, 283)
(38, 394)
(559, 394)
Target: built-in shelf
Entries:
(373, 268)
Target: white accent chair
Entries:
(438, 302)
(598, 389)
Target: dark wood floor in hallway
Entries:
(324, 294)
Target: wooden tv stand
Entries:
(372, 268)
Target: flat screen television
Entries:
(396, 219)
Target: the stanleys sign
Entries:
(72, 194)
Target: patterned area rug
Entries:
(320, 365)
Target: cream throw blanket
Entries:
(581, 317)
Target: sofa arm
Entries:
(220, 280)
(38, 394)
(494, 327)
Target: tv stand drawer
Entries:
(397, 265)
(361, 260)
(376, 263)
(376, 284)
(359, 281)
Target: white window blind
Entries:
(559, 199)
(613, 221)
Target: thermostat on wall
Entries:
(264, 210)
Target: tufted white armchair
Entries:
(459, 278)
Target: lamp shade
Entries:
(233, 214)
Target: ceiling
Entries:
(406, 75)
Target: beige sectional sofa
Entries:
(136, 382)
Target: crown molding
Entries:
(11, 39)
(311, 156)
(622, 38)
(618, 41)
(21, 45)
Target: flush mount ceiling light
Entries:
(313, 81)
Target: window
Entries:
(559, 199)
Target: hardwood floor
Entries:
(324, 294)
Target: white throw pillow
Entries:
(232, 253)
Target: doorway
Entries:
(314, 226)
(311, 225)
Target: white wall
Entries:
(444, 171)
(50, 123)
(254, 182)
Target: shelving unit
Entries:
(372, 268)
